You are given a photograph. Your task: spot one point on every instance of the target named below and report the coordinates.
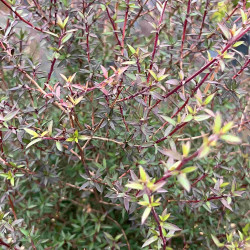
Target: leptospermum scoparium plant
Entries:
(124, 124)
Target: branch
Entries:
(184, 31)
(229, 44)
(203, 19)
(157, 38)
(22, 19)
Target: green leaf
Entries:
(129, 62)
(24, 231)
(182, 178)
(217, 123)
(188, 118)
(224, 184)
(131, 49)
(12, 182)
(162, 77)
(222, 65)
(4, 175)
(188, 170)
(66, 38)
(117, 237)
(186, 148)
(209, 56)
(44, 133)
(145, 214)
(204, 152)
(238, 44)
(173, 167)
(143, 174)
(59, 146)
(149, 241)
(31, 132)
(227, 127)
(191, 111)
(165, 217)
(59, 22)
(135, 185)
(70, 139)
(225, 31)
(50, 33)
(152, 73)
(50, 127)
(243, 16)
(33, 142)
(171, 227)
(216, 241)
(209, 99)
(84, 137)
(10, 115)
(200, 118)
(231, 139)
(119, 20)
(65, 21)
(158, 185)
(109, 236)
(168, 119)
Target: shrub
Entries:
(124, 124)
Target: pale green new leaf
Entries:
(227, 127)
(131, 49)
(231, 139)
(33, 142)
(182, 178)
(217, 123)
(84, 137)
(168, 119)
(149, 241)
(188, 118)
(171, 227)
(152, 73)
(59, 145)
(66, 38)
(143, 174)
(31, 132)
(145, 214)
(200, 118)
(238, 44)
(189, 169)
(135, 185)
(204, 152)
(216, 241)
(225, 31)
(209, 99)
(129, 62)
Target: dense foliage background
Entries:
(124, 124)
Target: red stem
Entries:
(124, 25)
(87, 39)
(159, 227)
(175, 130)
(209, 199)
(22, 19)
(2, 243)
(184, 31)
(113, 25)
(12, 207)
(157, 38)
(229, 44)
(203, 19)
(53, 62)
(241, 70)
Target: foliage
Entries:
(123, 125)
